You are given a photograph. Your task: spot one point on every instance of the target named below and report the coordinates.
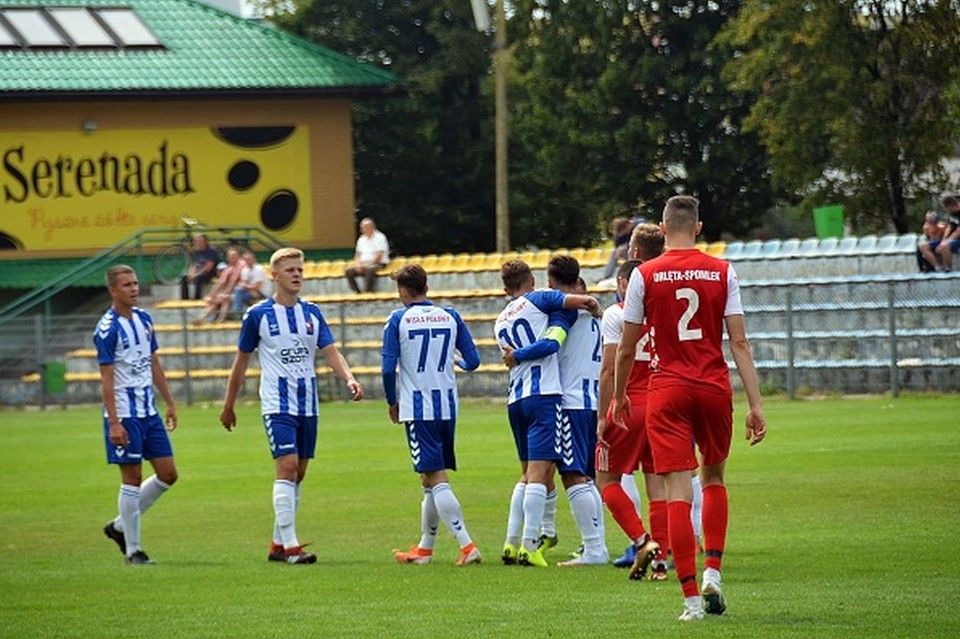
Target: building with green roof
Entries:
(123, 114)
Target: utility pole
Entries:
(500, 129)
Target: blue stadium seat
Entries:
(770, 248)
(734, 250)
(828, 246)
(789, 247)
(808, 247)
(752, 249)
(867, 244)
(887, 243)
(847, 246)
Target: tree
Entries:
(423, 159)
(852, 97)
(623, 106)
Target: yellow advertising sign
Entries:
(67, 190)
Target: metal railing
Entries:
(136, 248)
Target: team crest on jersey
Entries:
(309, 326)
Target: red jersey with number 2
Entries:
(684, 295)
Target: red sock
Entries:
(684, 546)
(623, 510)
(715, 514)
(658, 524)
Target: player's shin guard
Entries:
(658, 523)
(429, 520)
(684, 546)
(450, 512)
(715, 516)
(534, 498)
(515, 517)
(128, 503)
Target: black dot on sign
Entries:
(243, 175)
(9, 243)
(279, 210)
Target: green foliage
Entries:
(838, 527)
(619, 105)
(852, 97)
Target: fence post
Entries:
(188, 387)
(343, 346)
(38, 341)
(892, 327)
(791, 374)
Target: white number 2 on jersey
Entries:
(684, 331)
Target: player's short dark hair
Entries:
(950, 201)
(412, 277)
(116, 271)
(514, 274)
(646, 241)
(564, 269)
(626, 269)
(682, 212)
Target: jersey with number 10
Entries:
(422, 338)
(684, 295)
(523, 322)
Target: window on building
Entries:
(74, 28)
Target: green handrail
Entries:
(134, 245)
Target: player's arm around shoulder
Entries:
(740, 349)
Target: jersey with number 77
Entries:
(683, 295)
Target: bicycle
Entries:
(172, 261)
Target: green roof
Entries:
(205, 51)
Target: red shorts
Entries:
(679, 415)
(623, 451)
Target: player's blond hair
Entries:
(285, 253)
(116, 271)
(646, 241)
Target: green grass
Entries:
(843, 524)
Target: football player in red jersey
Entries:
(686, 297)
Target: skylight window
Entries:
(74, 28)
(34, 28)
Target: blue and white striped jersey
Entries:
(580, 364)
(422, 338)
(128, 344)
(288, 338)
(523, 322)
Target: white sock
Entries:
(450, 512)
(587, 517)
(429, 519)
(534, 497)
(549, 524)
(284, 509)
(712, 576)
(601, 520)
(277, 537)
(128, 504)
(629, 483)
(515, 518)
(697, 508)
(150, 492)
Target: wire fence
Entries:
(832, 335)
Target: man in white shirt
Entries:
(373, 251)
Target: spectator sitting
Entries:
(950, 243)
(373, 251)
(621, 229)
(930, 236)
(222, 293)
(202, 270)
(253, 283)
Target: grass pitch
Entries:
(842, 525)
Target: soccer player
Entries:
(686, 297)
(132, 428)
(288, 332)
(579, 361)
(534, 399)
(622, 450)
(424, 340)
